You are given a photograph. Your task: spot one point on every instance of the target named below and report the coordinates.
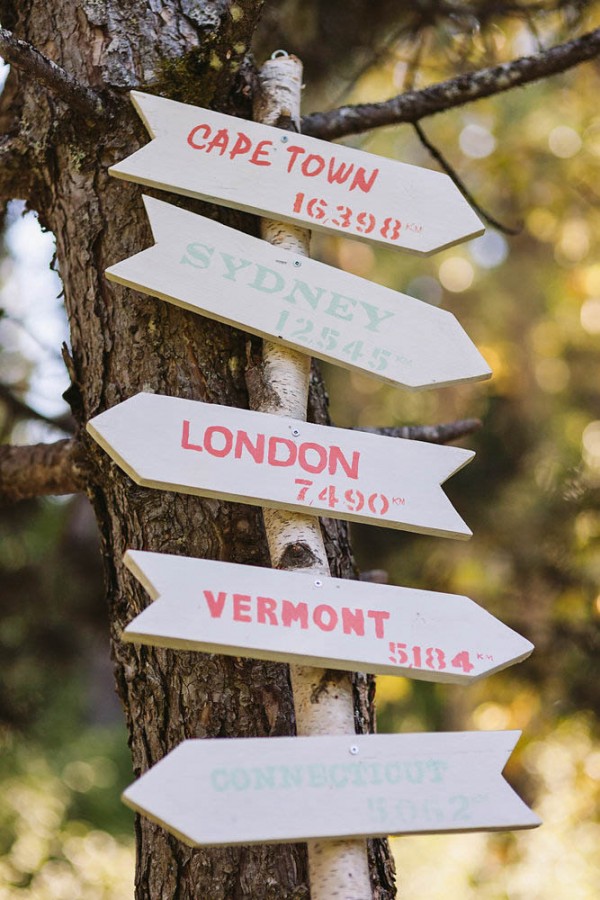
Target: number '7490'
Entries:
(352, 499)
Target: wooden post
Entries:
(337, 869)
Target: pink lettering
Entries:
(242, 145)
(325, 617)
(312, 467)
(256, 451)
(291, 612)
(336, 456)
(265, 609)
(294, 152)
(379, 616)
(339, 175)
(215, 605)
(365, 184)
(194, 132)
(208, 440)
(262, 149)
(353, 621)
(241, 608)
(185, 438)
(220, 142)
(308, 165)
(276, 442)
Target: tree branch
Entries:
(432, 434)
(18, 409)
(43, 70)
(449, 170)
(41, 469)
(415, 105)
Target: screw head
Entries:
(284, 139)
(295, 432)
(297, 263)
(354, 750)
(318, 582)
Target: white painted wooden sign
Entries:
(267, 460)
(219, 607)
(296, 179)
(269, 790)
(227, 275)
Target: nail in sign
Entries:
(269, 790)
(218, 607)
(267, 460)
(296, 179)
(234, 278)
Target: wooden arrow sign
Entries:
(296, 179)
(267, 460)
(219, 607)
(227, 275)
(269, 790)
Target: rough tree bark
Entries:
(56, 157)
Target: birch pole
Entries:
(337, 869)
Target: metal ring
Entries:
(279, 54)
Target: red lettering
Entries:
(353, 620)
(192, 135)
(341, 174)
(307, 164)
(294, 152)
(256, 451)
(185, 438)
(265, 609)
(312, 467)
(262, 149)
(241, 608)
(325, 617)
(215, 605)
(220, 142)
(242, 145)
(337, 457)
(365, 184)
(274, 442)
(208, 440)
(291, 612)
(379, 616)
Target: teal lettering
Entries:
(310, 295)
(338, 308)
(218, 779)
(438, 766)
(392, 773)
(232, 268)
(415, 772)
(376, 317)
(291, 777)
(358, 773)
(340, 780)
(260, 281)
(264, 778)
(240, 779)
(200, 252)
(316, 776)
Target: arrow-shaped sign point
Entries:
(208, 268)
(251, 457)
(298, 179)
(269, 790)
(218, 607)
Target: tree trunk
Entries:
(122, 343)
